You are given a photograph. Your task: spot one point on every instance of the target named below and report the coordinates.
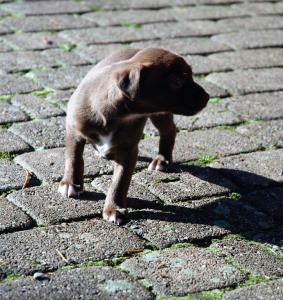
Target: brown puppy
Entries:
(109, 110)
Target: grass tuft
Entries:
(204, 160)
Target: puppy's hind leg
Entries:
(167, 131)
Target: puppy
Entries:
(109, 110)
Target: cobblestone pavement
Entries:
(209, 228)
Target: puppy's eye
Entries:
(175, 82)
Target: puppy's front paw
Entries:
(159, 163)
(69, 190)
(115, 216)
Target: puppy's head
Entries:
(156, 80)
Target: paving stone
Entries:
(90, 283)
(250, 58)
(192, 145)
(184, 183)
(42, 23)
(267, 134)
(196, 221)
(204, 65)
(250, 257)
(259, 8)
(16, 84)
(179, 272)
(36, 107)
(208, 12)
(184, 45)
(212, 115)
(268, 201)
(103, 35)
(34, 41)
(136, 4)
(272, 290)
(18, 61)
(48, 165)
(12, 218)
(4, 29)
(95, 53)
(11, 113)
(137, 194)
(262, 106)
(130, 17)
(4, 47)
(12, 176)
(42, 134)
(26, 60)
(28, 251)
(47, 207)
(61, 57)
(62, 78)
(272, 239)
(253, 170)
(251, 39)
(46, 8)
(60, 98)
(249, 81)
(212, 89)
(12, 143)
(255, 23)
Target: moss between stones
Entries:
(6, 98)
(226, 127)
(132, 25)
(43, 93)
(235, 196)
(67, 47)
(204, 160)
(207, 295)
(6, 155)
(215, 100)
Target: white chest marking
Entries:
(104, 144)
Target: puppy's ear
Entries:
(128, 80)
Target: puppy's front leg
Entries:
(72, 183)
(167, 131)
(115, 207)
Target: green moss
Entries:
(40, 225)
(254, 279)
(43, 93)
(166, 179)
(215, 100)
(102, 263)
(88, 180)
(146, 284)
(6, 125)
(270, 148)
(11, 277)
(132, 25)
(67, 47)
(95, 8)
(234, 196)
(204, 160)
(6, 155)
(6, 98)
(226, 127)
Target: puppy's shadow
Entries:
(243, 215)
